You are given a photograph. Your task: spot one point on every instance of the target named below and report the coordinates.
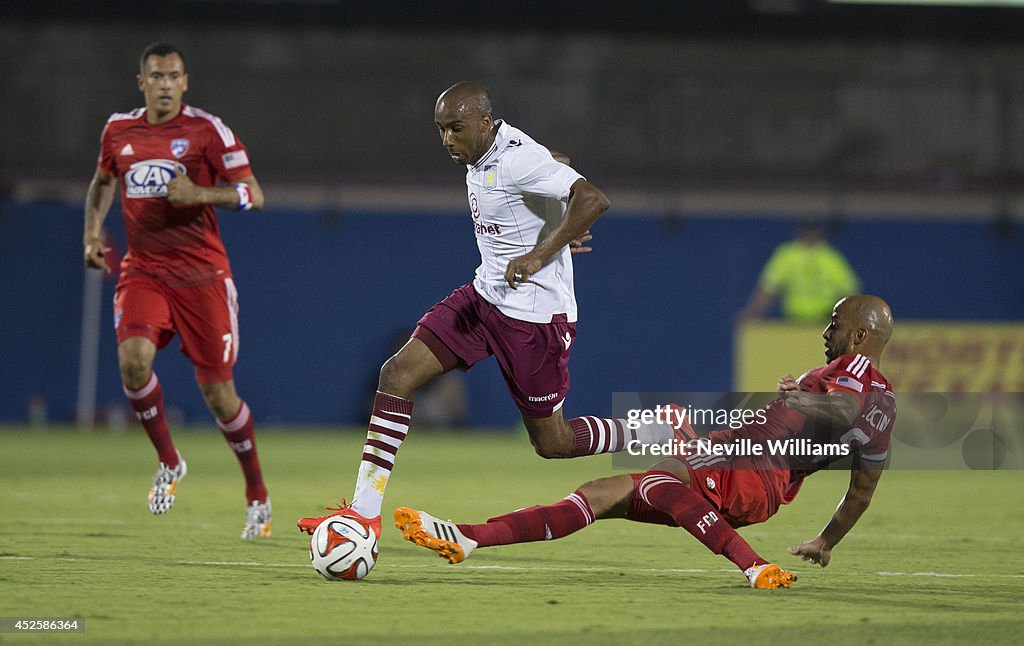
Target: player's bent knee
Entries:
(675, 467)
(135, 368)
(551, 447)
(135, 361)
(551, 437)
(609, 497)
(394, 377)
(550, 453)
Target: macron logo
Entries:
(543, 398)
(567, 340)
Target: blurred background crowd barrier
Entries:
(713, 127)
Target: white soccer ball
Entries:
(343, 549)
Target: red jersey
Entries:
(180, 245)
(868, 437)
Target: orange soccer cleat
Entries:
(769, 577)
(309, 525)
(443, 537)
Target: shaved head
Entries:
(860, 324)
(463, 118)
(872, 313)
(465, 98)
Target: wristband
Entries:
(244, 197)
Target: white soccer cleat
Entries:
(165, 481)
(257, 520)
(441, 536)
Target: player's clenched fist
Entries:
(520, 269)
(94, 252)
(181, 190)
(787, 384)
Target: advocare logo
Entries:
(149, 178)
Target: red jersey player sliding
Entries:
(176, 277)
(847, 402)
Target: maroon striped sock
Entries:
(666, 493)
(240, 433)
(537, 523)
(389, 424)
(593, 435)
(148, 403)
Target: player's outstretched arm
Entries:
(862, 487)
(246, 194)
(97, 204)
(586, 204)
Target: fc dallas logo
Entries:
(179, 147)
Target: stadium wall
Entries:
(324, 102)
(324, 294)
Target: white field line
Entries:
(52, 520)
(518, 568)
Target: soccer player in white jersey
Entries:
(528, 212)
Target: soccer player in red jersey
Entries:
(175, 163)
(845, 403)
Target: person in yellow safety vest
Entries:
(807, 274)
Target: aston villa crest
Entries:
(179, 147)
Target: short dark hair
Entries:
(159, 49)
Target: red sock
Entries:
(240, 433)
(666, 493)
(148, 403)
(593, 435)
(537, 523)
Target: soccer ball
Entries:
(343, 549)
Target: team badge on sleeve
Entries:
(851, 383)
(179, 147)
(235, 159)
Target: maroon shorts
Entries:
(739, 495)
(533, 357)
(204, 316)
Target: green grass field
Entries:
(935, 560)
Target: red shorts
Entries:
(739, 495)
(533, 357)
(204, 316)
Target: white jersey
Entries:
(517, 195)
